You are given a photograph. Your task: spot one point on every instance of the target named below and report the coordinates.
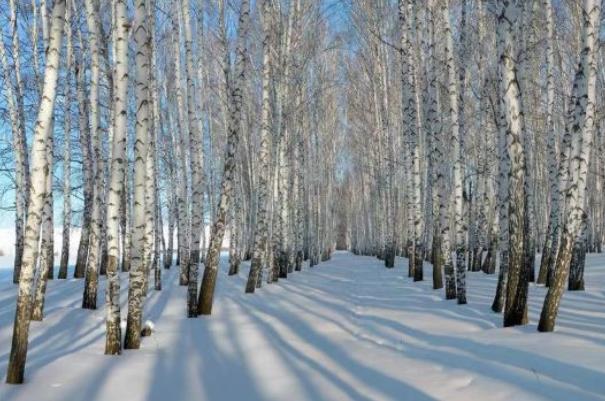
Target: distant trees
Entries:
(495, 172)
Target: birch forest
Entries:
(302, 200)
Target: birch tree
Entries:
(39, 175)
(262, 227)
(515, 311)
(141, 36)
(455, 140)
(233, 135)
(117, 177)
(553, 218)
(67, 128)
(581, 129)
(197, 194)
(89, 299)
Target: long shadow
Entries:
(308, 387)
(219, 366)
(295, 355)
(392, 388)
(74, 331)
(554, 369)
(170, 376)
(198, 369)
(480, 358)
(81, 390)
(447, 310)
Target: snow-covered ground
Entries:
(348, 329)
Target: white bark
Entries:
(89, 300)
(39, 175)
(138, 268)
(116, 176)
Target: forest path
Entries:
(348, 329)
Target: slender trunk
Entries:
(67, 149)
(89, 299)
(113, 339)
(233, 135)
(39, 174)
(551, 143)
(455, 140)
(261, 230)
(15, 106)
(181, 155)
(197, 193)
(515, 311)
(46, 260)
(138, 260)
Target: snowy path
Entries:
(346, 330)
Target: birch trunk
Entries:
(89, 299)
(39, 175)
(455, 140)
(515, 310)
(234, 131)
(137, 266)
(503, 208)
(46, 259)
(181, 154)
(261, 230)
(15, 108)
(581, 132)
(67, 147)
(551, 134)
(87, 167)
(197, 189)
(113, 339)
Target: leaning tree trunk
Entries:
(581, 131)
(233, 135)
(39, 175)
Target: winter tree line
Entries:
(478, 143)
(464, 133)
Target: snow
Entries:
(348, 329)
